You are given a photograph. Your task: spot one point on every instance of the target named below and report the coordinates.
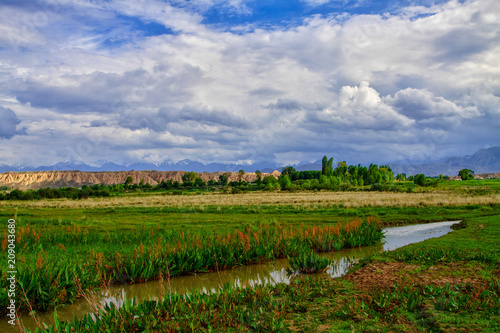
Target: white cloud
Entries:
(360, 107)
(428, 109)
(316, 2)
(205, 91)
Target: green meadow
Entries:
(66, 248)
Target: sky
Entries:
(246, 81)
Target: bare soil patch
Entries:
(383, 276)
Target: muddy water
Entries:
(272, 273)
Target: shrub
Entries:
(307, 263)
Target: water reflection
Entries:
(401, 236)
(247, 276)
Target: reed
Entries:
(307, 263)
(53, 259)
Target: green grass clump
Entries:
(434, 255)
(426, 308)
(307, 263)
(229, 310)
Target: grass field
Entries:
(307, 199)
(446, 284)
(137, 238)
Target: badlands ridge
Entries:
(55, 179)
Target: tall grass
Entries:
(307, 263)
(307, 199)
(449, 298)
(48, 262)
(232, 310)
(276, 308)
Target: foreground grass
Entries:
(225, 218)
(451, 196)
(451, 283)
(118, 234)
(54, 267)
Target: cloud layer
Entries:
(123, 82)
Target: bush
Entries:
(345, 186)
(307, 263)
(419, 179)
(379, 187)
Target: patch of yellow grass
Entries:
(308, 200)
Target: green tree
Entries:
(129, 180)
(419, 179)
(224, 179)
(259, 176)
(189, 177)
(401, 177)
(240, 174)
(466, 174)
(285, 182)
(341, 168)
(269, 180)
(288, 171)
(327, 166)
(199, 182)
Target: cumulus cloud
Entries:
(8, 123)
(360, 107)
(358, 82)
(428, 109)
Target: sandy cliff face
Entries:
(42, 179)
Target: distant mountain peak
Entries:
(485, 160)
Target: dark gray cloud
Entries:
(95, 92)
(160, 120)
(266, 92)
(98, 123)
(8, 123)
(428, 109)
(461, 44)
(285, 104)
(204, 114)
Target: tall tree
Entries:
(259, 176)
(288, 171)
(129, 180)
(240, 174)
(466, 174)
(189, 177)
(327, 166)
(224, 178)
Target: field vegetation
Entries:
(440, 285)
(67, 247)
(53, 266)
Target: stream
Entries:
(271, 272)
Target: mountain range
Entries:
(482, 161)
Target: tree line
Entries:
(341, 178)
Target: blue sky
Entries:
(246, 81)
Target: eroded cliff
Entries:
(42, 179)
